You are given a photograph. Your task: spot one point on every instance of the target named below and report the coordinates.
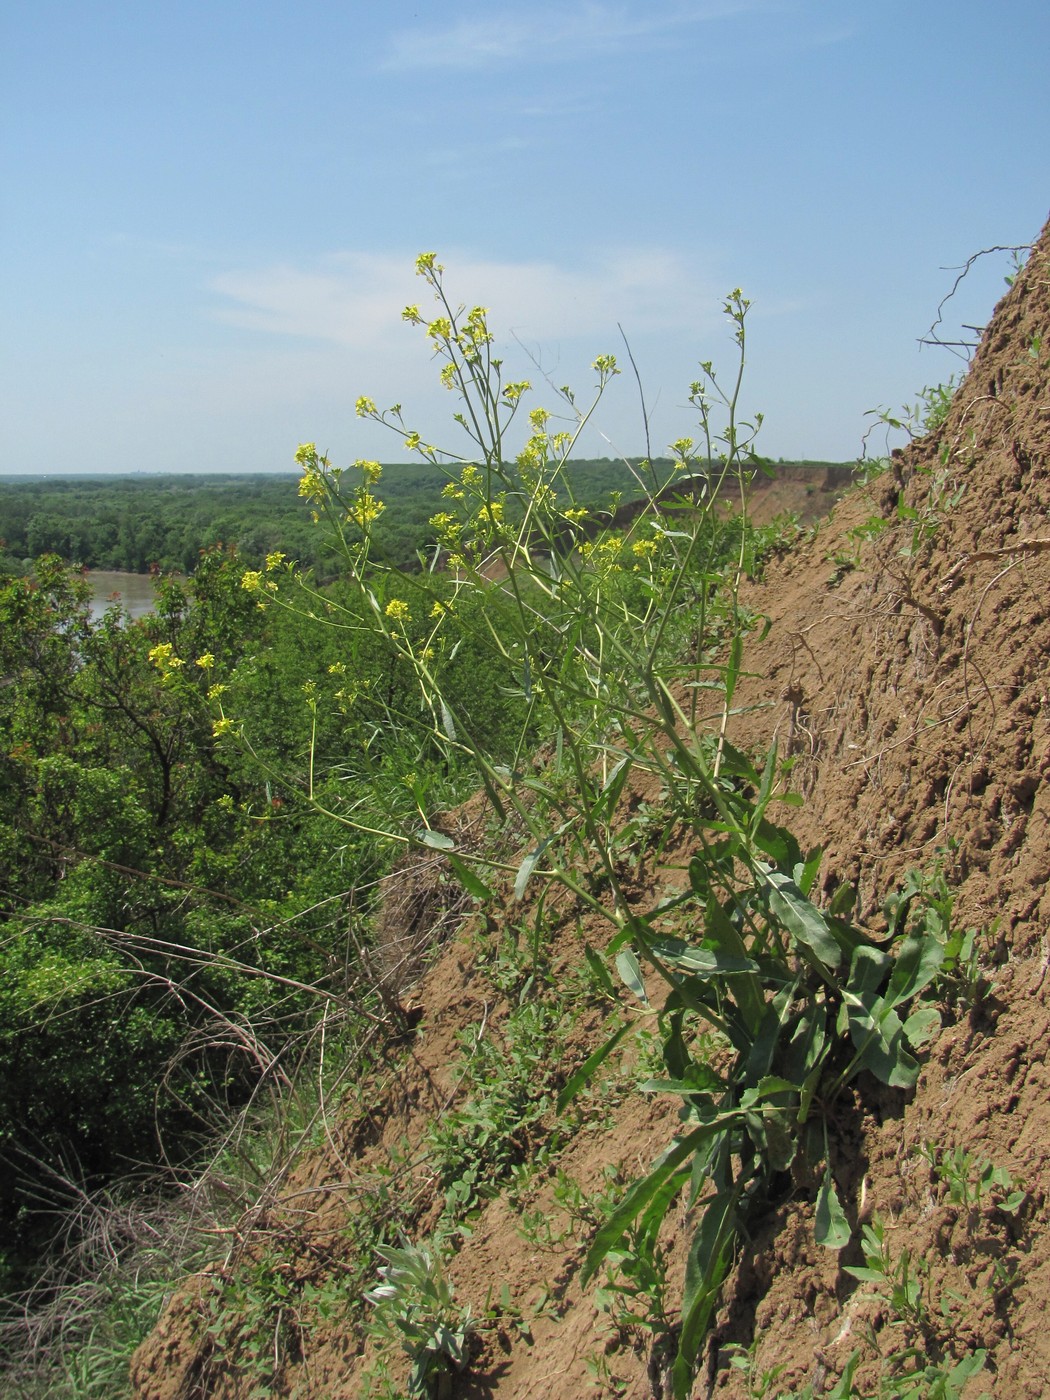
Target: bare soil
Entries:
(907, 671)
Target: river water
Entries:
(135, 590)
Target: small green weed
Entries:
(895, 1278)
(415, 1308)
(972, 1182)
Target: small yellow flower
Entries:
(337, 668)
(215, 691)
(221, 727)
(206, 661)
(275, 560)
(251, 580)
(365, 407)
(372, 470)
(160, 655)
(365, 509)
(398, 610)
(438, 610)
(311, 486)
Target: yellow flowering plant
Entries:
(624, 648)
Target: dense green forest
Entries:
(139, 523)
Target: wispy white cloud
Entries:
(326, 332)
(354, 299)
(546, 34)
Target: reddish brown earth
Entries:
(908, 674)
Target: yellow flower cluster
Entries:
(365, 510)
(163, 657)
(398, 610)
(311, 485)
(603, 554)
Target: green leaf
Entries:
(706, 962)
(710, 1256)
(736, 764)
(867, 972)
(577, 1080)
(832, 1228)
(700, 1079)
(918, 963)
(642, 1192)
(723, 934)
(610, 794)
(629, 969)
(528, 865)
(878, 1034)
(598, 969)
(773, 1133)
(437, 840)
(765, 787)
(471, 882)
(922, 1025)
(770, 1028)
(807, 872)
(803, 920)
(448, 724)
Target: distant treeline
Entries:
(137, 523)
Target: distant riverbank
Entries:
(135, 591)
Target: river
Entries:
(135, 590)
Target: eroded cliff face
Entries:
(907, 671)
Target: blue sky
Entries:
(211, 211)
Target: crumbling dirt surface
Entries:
(906, 670)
